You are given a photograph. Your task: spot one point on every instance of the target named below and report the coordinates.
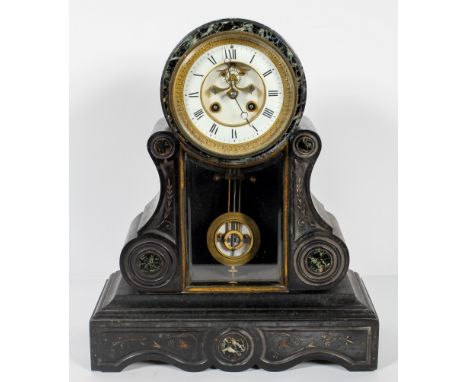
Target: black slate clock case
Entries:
(295, 301)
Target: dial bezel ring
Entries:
(184, 120)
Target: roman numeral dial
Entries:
(233, 94)
(214, 128)
(212, 60)
(268, 113)
(230, 54)
(199, 114)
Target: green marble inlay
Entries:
(149, 263)
(319, 260)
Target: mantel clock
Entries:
(235, 263)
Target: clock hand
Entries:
(243, 112)
(233, 86)
(232, 93)
(240, 107)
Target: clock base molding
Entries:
(235, 331)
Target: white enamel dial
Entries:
(233, 93)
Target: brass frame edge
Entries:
(182, 217)
(186, 287)
(236, 289)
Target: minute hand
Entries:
(242, 111)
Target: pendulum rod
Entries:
(234, 195)
(234, 192)
(234, 205)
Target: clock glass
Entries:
(233, 94)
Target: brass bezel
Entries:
(243, 219)
(211, 146)
(233, 232)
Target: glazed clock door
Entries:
(235, 235)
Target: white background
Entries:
(34, 199)
(118, 50)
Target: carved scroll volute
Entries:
(163, 148)
(149, 260)
(319, 257)
(305, 149)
